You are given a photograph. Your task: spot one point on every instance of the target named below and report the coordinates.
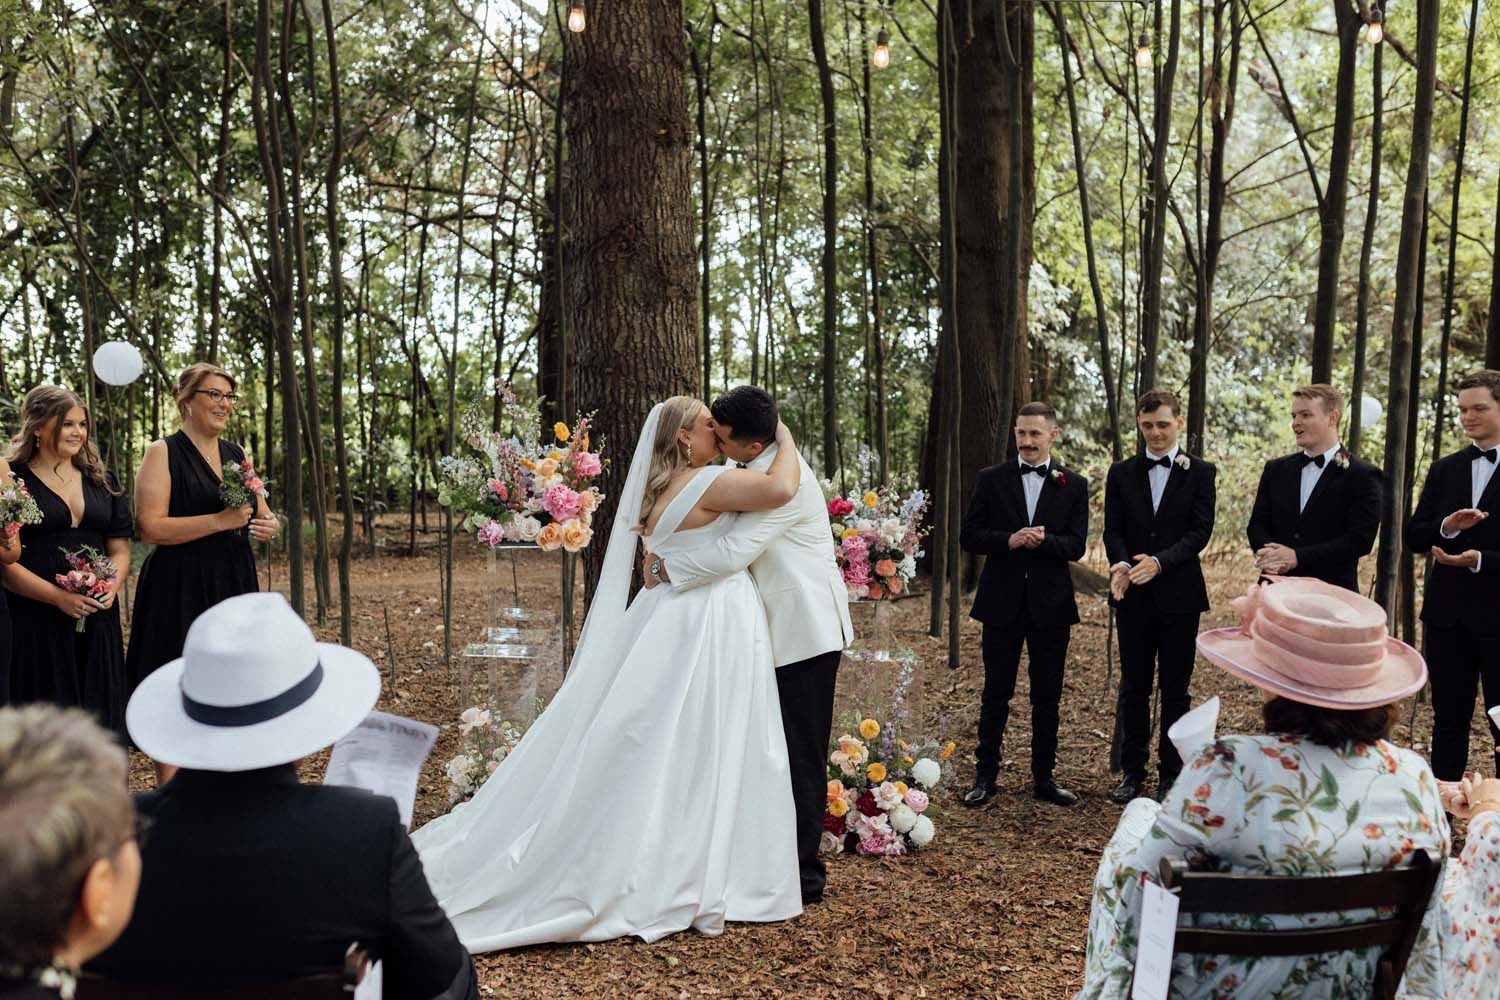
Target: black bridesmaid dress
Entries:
(180, 582)
(51, 661)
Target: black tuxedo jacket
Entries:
(252, 877)
(1175, 533)
(1456, 595)
(1021, 587)
(1337, 527)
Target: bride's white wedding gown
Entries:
(651, 796)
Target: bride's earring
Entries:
(689, 447)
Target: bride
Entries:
(653, 794)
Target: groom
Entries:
(789, 552)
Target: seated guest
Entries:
(1471, 892)
(1321, 792)
(69, 860)
(252, 877)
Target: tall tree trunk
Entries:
(944, 516)
(872, 262)
(1331, 207)
(830, 277)
(1366, 246)
(1451, 268)
(703, 69)
(1492, 333)
(636, 288)
(1156, 209)
(1408, 283)
(336, 275)
(221, 191)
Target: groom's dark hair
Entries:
(749, 412)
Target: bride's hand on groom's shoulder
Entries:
(783, 432)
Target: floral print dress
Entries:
(1471, 916)
(1271, 805)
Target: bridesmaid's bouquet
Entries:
(91, 574)
(877, 538)
(17, 508)
(241, 485)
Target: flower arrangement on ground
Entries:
(484, 744)
(90, 574)
(877, 538)
(241, 485)
(520, 492)
(17, 507)
(881, 795)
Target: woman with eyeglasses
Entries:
(66, 647)
(202, 553)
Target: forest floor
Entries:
(996, 907)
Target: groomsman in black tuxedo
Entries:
(1158, 515)
(1461, 609)
(1030, 517)
(1317, 511)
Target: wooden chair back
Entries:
(331, 986)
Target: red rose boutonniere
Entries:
(1341, 459)
(1058, 477)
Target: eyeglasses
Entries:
(218, 397)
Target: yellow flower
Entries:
(901, 787)
(903, 744)
(561, 430)
(869, 729)
(947, 751)
(528, 463)
(871, 499)
(837, 807)
(875, 772)
(907, 761)
(849, 533)
(556, 456)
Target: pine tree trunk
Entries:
(1366, 247)
(1335, 196)
(830, 276)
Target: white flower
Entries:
(887, 796)
(457, 773)
(864, 526)
(527, 528)
(1183, 462)
(903, 819)
(926, 772)
(922, 832)
(830, 844)
(1341, 459)
(473, 718)
(892, 530)
(908, 567)
(838, 529)
(856, 592)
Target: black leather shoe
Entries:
(981, 793)
(1128, 790)
(808, 899)
(1050, 791)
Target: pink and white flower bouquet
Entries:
(877, 538)
(241, 485)
(17, 507)
(90, 574)
(485, 743)
(540, 494)
(881, 794)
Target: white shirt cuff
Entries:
(1122, 564)
(1478, 562)
(1444, 531)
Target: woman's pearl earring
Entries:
(689, 453)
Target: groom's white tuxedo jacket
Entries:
(789, 552)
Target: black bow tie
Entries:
(1040, 470)
(741, 465)
(1311, 460)
(1475, 453)
(1165, 461)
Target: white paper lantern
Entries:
(1370, 411)
(118, 363)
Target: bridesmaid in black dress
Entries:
(10, 551)
(81, 505)
(202, 553)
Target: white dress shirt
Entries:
(1158, 476)
(1481, 470)
(1031, 485)
(1311, 472)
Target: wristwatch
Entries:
(656, 570)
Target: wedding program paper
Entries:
(384, 755)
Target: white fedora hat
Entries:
(252, 689)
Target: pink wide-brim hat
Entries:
(1315, 643)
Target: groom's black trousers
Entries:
(806, 693)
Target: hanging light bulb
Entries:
(577, 18)
(1143, 52)
(1375, 26)
(881, 57)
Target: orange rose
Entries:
(875, 592)
(575, 535)
(587, 501)
(885, 568)
(550, 538)
(546, 468)
(835, 790)
(894, 585)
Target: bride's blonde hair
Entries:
(668, 457)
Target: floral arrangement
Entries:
(880, 796)
(92, 575)
(877, 539)
(17, 508)
(241, 485)
(485, 743)
(518, 492)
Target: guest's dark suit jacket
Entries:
(1026, 587)
(1333, 531)
(1175, 533)
(252, 877)
(1455, 595)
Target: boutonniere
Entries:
(1058, 477)
(1341, 459)
(1183, 462)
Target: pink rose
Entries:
(873, 845)
(916, 800)
(562, 503)
(255, 485)
(854, 545)
(12, 529)
(491, 533)
(586, 463)
(498, 488)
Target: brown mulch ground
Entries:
(996, 907)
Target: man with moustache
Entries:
(1461, 608)
(1317, 511)
(1030, 517)
(1158, 515)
